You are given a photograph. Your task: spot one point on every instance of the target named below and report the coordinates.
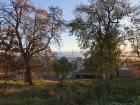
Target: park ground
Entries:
(76, 92)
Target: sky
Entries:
(68, 43)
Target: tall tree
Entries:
(97, 29)
(35, 28)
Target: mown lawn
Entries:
(80, 92)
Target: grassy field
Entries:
(80, 92)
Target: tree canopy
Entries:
(34, 28)
(97, 29)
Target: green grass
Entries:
(80, 92)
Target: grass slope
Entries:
(80, 92)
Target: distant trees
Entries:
(62, 67)
(133, 31)
(134, 38)
(97, 29)
(34, 28)
(8, 48)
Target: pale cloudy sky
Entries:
(68, 43)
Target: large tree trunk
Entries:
(62, 81)
(28, 74)
(117, 73)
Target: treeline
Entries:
(27, 31)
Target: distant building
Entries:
(80, 64)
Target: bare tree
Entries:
(35, 28)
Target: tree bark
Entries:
(62, 81)
(117, 73)
(28, 73)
